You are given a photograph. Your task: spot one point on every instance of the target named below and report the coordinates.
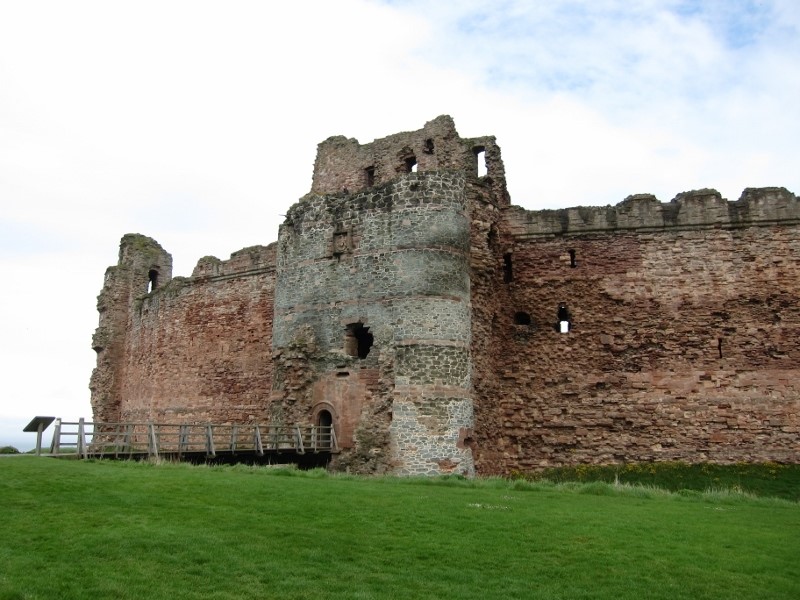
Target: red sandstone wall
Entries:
(685, 345)
(200, 349)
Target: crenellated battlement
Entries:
(694, 209)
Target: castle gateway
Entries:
(440, 329)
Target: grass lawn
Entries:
(117, 530)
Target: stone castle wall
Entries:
(683, 341)
(410, 305)
(192, 350)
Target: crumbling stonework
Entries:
(683, 334)
(189, 350)
(440, 329)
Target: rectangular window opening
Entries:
(357, 340)
(480, 161)
(508, 274)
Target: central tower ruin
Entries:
(372, 326)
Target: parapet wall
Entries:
(698, 208)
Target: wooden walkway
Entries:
(137, 440)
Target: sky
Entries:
(196, 123)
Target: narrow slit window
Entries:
(508, 273)
(719, 346)
(572, 262)
(370, 175)
(491, 237)
(152, 280)
(480, 161)
(564, 320)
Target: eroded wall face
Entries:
(682, 344)
(143, 266)
(390, 263)
(198, 350)
(442, 330)
(344, 165)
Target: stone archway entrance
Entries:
(338, 396)
(324, 423)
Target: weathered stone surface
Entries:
(190, 350)
(683, 341)
(419, 311)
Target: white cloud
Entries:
(196, 123)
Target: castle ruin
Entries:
(441, 329)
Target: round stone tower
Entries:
(372, 306)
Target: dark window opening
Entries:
(152, 283)
(522, 318)
(343, 374)
(358, 340)
(719, 346)
(370, 173)
(492, 236)
(480, 161)
(324, 418)
(411, 164)
(508, 275)
(428, 146)
(572, 262)
(325, 422)
(564, 320)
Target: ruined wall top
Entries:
(345, 165)
(242, 262)
(144, 263)
(697, 208)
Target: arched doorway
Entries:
(324, 430)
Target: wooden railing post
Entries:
(299, 440)
(183, 438)
(210, 441)
(128, 440)
(234, 433)
(55, 446)
(152, 440)
(273, 437)
(257, 441)
(334, 444)
(81, 445)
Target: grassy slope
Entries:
(762, 479)
(73, 529)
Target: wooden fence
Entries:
(121, 440)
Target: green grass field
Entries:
(106, 530)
